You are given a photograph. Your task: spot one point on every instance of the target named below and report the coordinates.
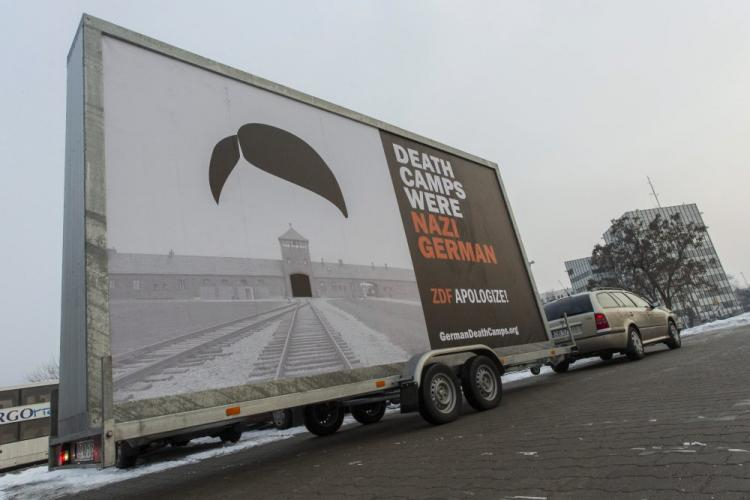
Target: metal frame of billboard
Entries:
(99, 413)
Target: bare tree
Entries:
(658, 259)
(44, 372)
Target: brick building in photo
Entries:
(183, 277)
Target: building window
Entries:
(136, 284)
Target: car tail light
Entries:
(601, 321)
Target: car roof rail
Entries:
(602, 288)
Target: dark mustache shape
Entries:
(279, 153)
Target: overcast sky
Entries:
(577, 101)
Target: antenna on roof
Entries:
(653, 191)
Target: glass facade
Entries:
(695, 306)
(579, 272)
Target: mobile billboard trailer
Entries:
(233, 247)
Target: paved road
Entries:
(674, 425)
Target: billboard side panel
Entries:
(73, 404)
(97, 293)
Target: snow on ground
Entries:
(722, 324)
(38, 482)
(232, 367)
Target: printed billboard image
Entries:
(251, 237)
(254, 238)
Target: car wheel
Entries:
(675, 341)
(561, 367)
(634, 351)
(606, 356)
(439, 395)
(481, 383)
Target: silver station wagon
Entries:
(609, 321)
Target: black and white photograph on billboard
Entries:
(250, 237)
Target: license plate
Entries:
(85, 451)
(560, 334)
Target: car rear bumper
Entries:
(610, 341)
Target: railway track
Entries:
(161, 360)
(304, 343)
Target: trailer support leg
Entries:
(109, 451)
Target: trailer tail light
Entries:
(232, 410)
(63, 458)
(601, 321)
(380, 384)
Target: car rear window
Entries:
(578, 304)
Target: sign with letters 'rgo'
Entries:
(24, 413)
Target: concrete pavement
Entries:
(673, 425)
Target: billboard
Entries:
(253, 238)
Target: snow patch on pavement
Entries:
(722, 324)
(39, 482)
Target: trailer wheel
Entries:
(283, 419)
(231, 434)
(323, 419)
(480, 380)
(126, 456)
(369, 413)
(439, 395)
(561, 366)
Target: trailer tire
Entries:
(126, 456)
(561, 366)
(283, 419)
(481, 383)
(323, 419)
(370, 413)
(439, 395)
(231, 434)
